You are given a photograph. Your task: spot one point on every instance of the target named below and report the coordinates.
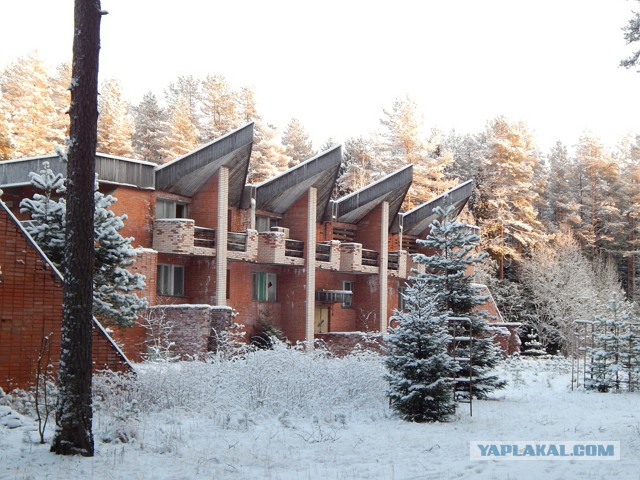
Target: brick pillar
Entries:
(310, 266)
(221, 236)
(384, 264)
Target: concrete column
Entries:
(310, 266)
(221, 236)
(384, 264)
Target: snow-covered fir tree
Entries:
(115, 124)
(453, 244)
(421, 371)
(614, 356)
(150, 127)
(298, 146)
(114, 300)
(47, 212)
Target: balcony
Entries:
(274, 247)
(354, 258)
(242, 245)
(181, 236)
(392, 261)
(237, 241)
(370, 258)
(204, 237)
(293, 248)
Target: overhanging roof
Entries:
(393, 188)
(188, 174)
(109, 168)
(416, 222)
(279, 193)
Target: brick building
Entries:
(31, 309)
(281, 252)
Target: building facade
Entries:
(279, 254)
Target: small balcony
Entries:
(274, 247)
(328, 255)
(237, 241)
(242, 245)
(354, 258)
(181, 236)
(370, 258)
(293, 248)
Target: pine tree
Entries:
(74, 411)
(297, 144)
(358, 166)
(61, 96)
(447, 269)
(149, 129)
(26, 101)
(115, 125)
(268, 157)
(507, 194)
(186, 94)
(6, 143)
(559, 197)
(182, 136)
(219, 108)
(598, 186)
(402, 142)
(114, 299)
(420, 369)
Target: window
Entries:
(402, 305)
(264, 224)
(170, 280)
(170, 209)
(264, 287)
(347, 286)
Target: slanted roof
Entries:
(188, 174)
(393, 188)
(279, 193)
(109, 168)
(416, 222)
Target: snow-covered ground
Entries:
(288, 415)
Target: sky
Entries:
(336, 64)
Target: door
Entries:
(321, 320)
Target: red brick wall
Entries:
(368, 233)
(204, 204)
(199, 279)
(324, 232)
(291, 293)
(340, 319)
(139, 206)
(194, 327)
(31, 308)
(240, 278)
(366, 302)
(295, 219)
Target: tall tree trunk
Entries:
(74, 414)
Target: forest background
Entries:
(562, 226)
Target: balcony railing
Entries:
(323, 252)
(294, 248)
(369, 258)
(237, 241)
(204, 237)
(393, 261)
